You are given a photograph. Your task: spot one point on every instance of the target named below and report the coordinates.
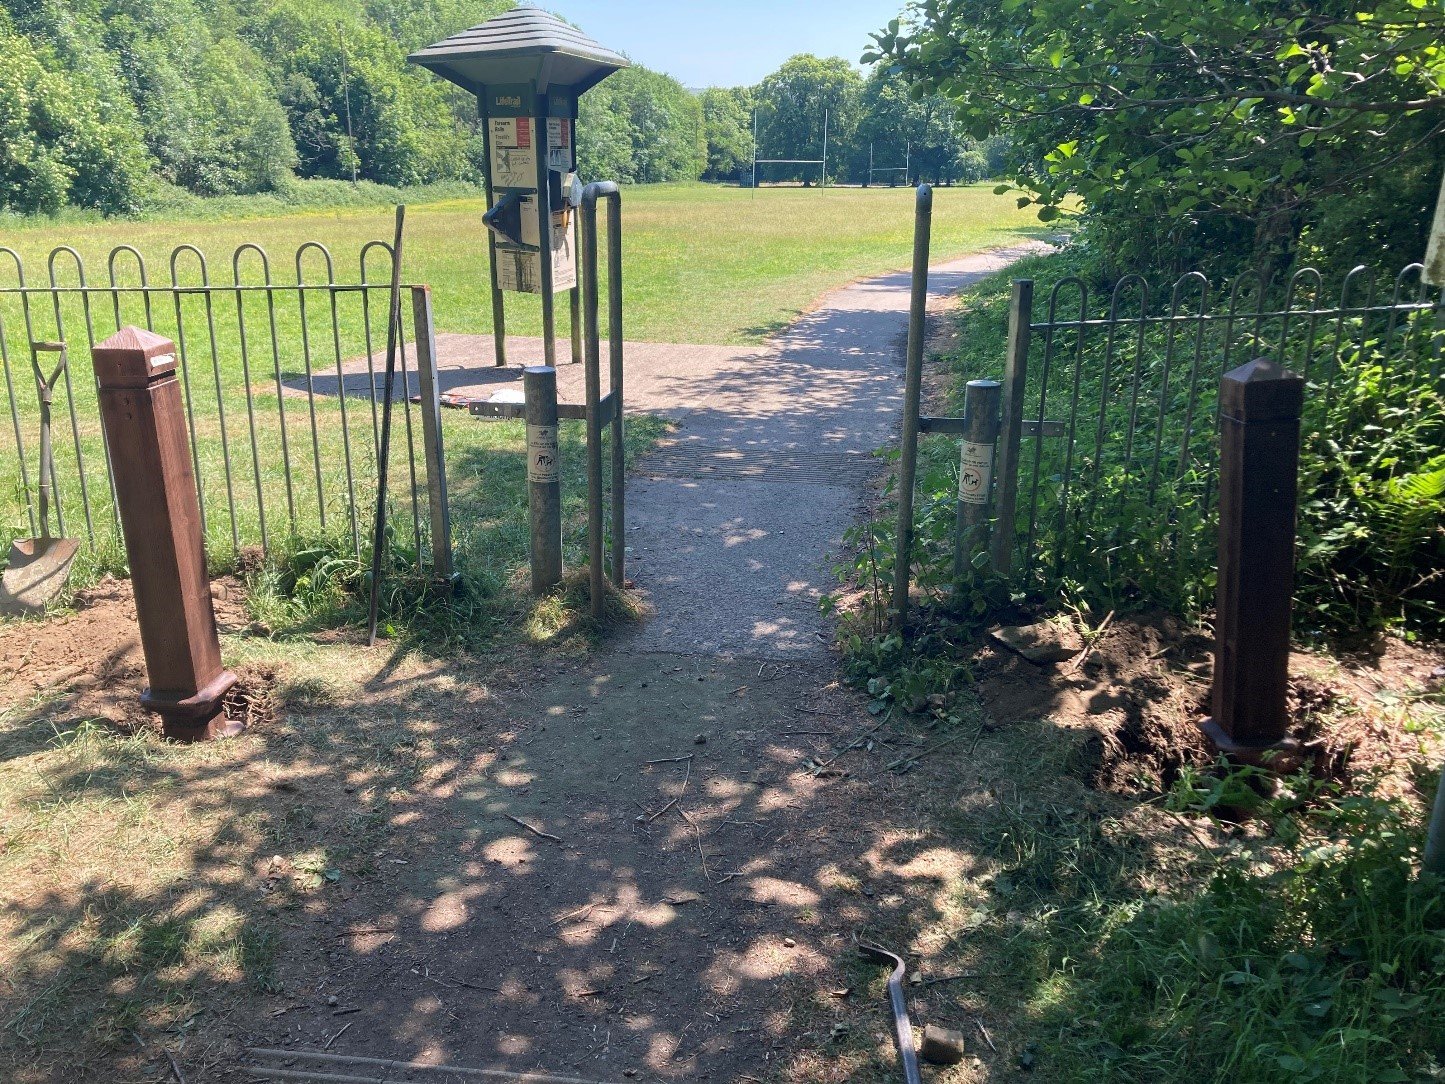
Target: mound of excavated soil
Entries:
(1134, 703)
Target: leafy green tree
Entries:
(1202, 128)
(791, 105)
(727, 127)
(336, 71)
(640, 126)
(917, 129)
(57, 146)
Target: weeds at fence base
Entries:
(566, 611)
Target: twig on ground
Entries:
(856, 743)
(176, 1069)
(582, 911)
(338, 1035)
(534, 830)
(669, 760)
(907, 761)
(984, 1032)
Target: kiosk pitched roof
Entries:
(520, 46)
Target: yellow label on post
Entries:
(542, 453)
(975, 472)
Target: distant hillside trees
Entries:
(640, 126)
(727, 131)
(118, 104)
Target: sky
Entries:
(704, 43)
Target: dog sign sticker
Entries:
(975, 472)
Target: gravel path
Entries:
(734, 521)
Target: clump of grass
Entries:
(566, 611)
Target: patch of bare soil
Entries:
(1133, 703)
(94, 653)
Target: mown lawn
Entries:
(702, 263)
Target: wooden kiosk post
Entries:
(145, 431)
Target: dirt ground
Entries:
(491, 897)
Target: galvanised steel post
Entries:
(1015, 379)
(614, 340)
(593, 423)
(145, 431)
(912, 396)
(975, 471)
(544, 485)
(1260, 405)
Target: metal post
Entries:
(1433, 860)
(825, 149)
(912, 395)
(594, 395)
(755, 150)
(975, 471)
(1260, 405)
(145, 432)
(499, 303)
(1015, 378)
(544, 485)
(614, 338)
(431, 427)
(574, 313)
(544, 230)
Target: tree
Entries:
(56, 144)
(1204, 128)
(791, 104)
(727, 126)
(640, 126)
(917, 129)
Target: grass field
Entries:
(703, 263)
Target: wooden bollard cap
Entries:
(1261, 390)
(133, 358)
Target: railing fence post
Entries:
(1260, 407)
(1015, 379)
(439, 510)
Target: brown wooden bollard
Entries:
(1259, 405)
(145, 431)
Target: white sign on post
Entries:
(975, 472)
(514, 152)
(542, 453)
(559, 144)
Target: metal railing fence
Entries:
(280, 381)
(1113, 401)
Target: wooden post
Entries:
(145, 432)
(439, 510)
(912, 397)
(975, 472)
(544, 485)
(1260, 405)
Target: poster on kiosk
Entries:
(513, 164)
